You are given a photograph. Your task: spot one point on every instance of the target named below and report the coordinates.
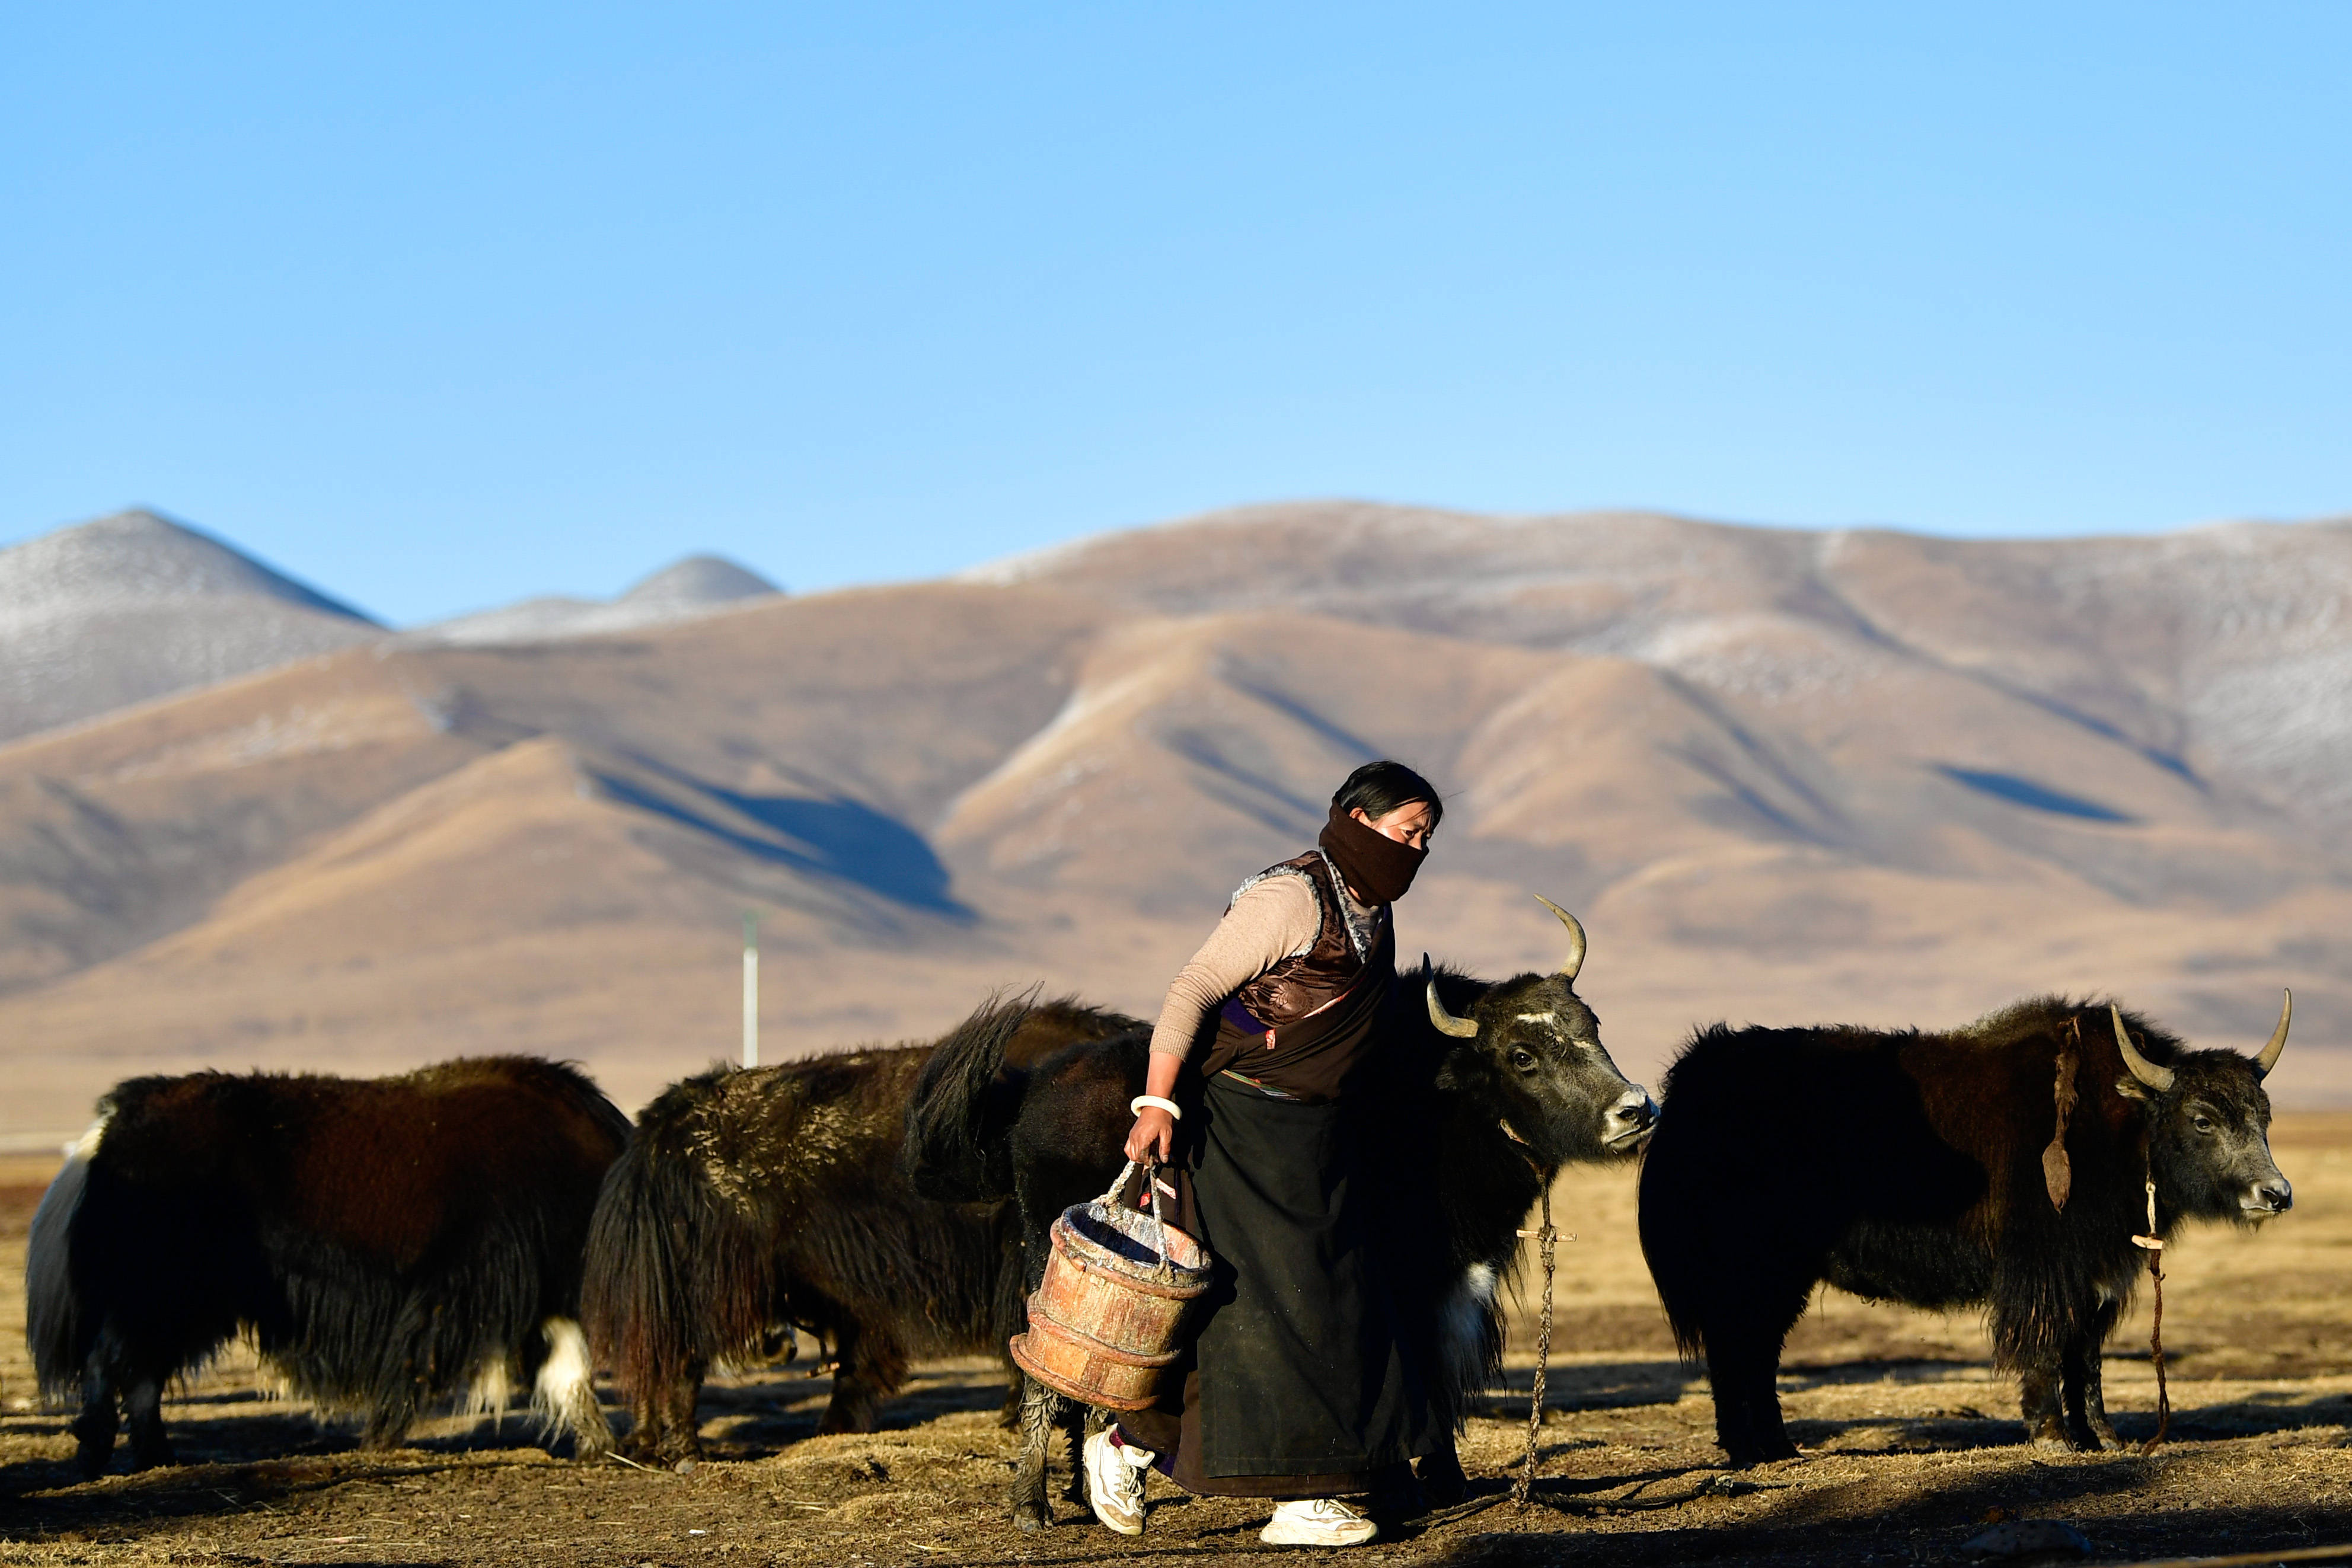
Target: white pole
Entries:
(751, 989)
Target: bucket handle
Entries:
(1150, 1207)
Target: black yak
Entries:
(1483, 1091)
(1917, 1167)
(386, 1241)
(758, 1200)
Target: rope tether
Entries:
(2154, 1245)
(1523, 1487)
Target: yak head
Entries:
(1529, 1050)
(2209, 1128)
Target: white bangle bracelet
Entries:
(1135, 1106)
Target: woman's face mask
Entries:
(1378, 856)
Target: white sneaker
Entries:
(1325, 1521)
(1115, 1483)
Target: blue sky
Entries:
(439, 306)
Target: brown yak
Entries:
(387, 1242)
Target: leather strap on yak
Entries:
(2057, 1171)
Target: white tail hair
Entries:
(563, 1396)
(52, 1316)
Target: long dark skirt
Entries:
(1298, 1384)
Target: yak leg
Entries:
(1397, 1495)
(2060, 1392)
(142, 1408)
(645, 1427)
(1743, 1363)
(2039, 1386)
(868, 1367)
(656, 1409)
(1078, 1422)
(2084, 1390)
(112, 1372)
(678, 1437)
(1442, 1484)
(1041, 1409)
(394, 1411)
(95, 1427)
(662, 1429)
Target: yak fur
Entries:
(386, 1243)
(757, 1201)
(1908, 1166)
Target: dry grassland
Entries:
(1912, 1445)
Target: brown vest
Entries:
(1303, 1025)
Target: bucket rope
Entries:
(1150, 1207)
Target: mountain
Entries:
(1783, 776)
(695, 586)
(135, 606)
(2220, 653)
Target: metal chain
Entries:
(1523, 1487)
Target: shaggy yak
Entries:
(386, 1241)
(1492, 1088)
(758, 1200)
(2002, 1165)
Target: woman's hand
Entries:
(1149, 1138)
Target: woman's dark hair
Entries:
(1378, 787)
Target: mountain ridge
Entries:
(1781, 781)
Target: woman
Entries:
(1299, 1388)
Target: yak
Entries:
(386, 1243)
(757, 1200)
(1487, 1090)
(2004, 1165)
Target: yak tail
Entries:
(55, 1330)
(962, 1107)
(677, 1273)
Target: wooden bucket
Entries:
(1109, 1312)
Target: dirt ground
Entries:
(1912, 1444)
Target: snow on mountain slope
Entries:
(133, 607)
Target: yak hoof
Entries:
(1442, 1484)
(1747, 1458)
(684, 1467)
(95, 1430)
(1031, 1514)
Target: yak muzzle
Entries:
(1631, 1121)
(2266, 1198)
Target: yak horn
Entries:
(2156, 1077)
(1460, 1029)
(2269, 1058)
(1575, 959)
